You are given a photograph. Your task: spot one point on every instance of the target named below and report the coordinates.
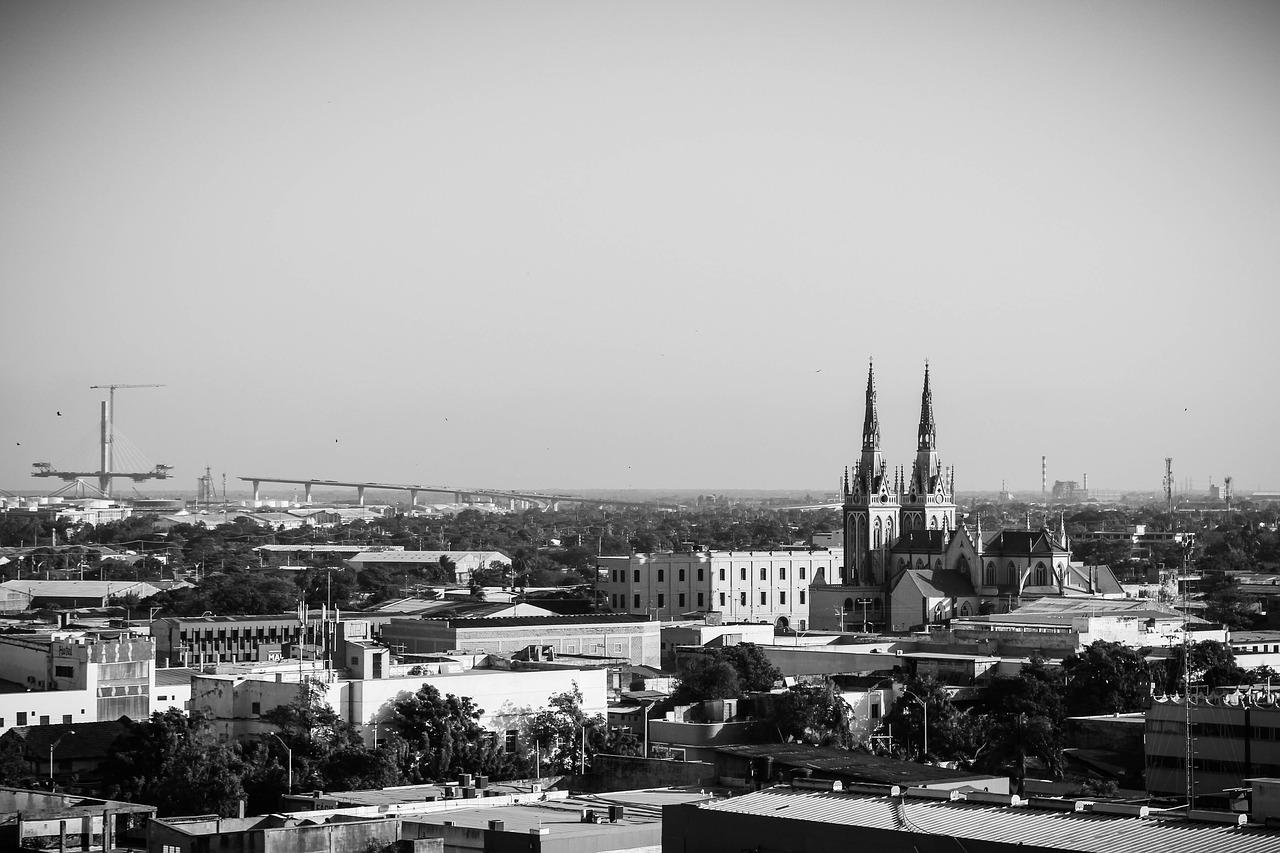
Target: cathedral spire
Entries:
(871, 423)
(928, 432)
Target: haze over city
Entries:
(572, 245)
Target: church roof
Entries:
(921, 540)
(942, 584)
(1020, 542)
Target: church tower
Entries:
(928, 499)
(870, 505)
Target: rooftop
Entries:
(1038, 825)
(851, 765)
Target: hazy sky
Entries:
(559, 245)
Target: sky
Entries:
(641, 245)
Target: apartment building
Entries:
(743, 586)
(73, 677)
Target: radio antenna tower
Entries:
(1168, 485)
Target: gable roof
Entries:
(941, 584)
(1019, 542)
(920, 540)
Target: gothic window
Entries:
(964, 609)
(1042, 575)
(933, 523)
(876, 542)
(902, 562)
(848, 605)
(962, 565)
(989, 576)
(919, 562)
(1012, 574)
(937, 564)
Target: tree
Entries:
(1023, 720)
(950, 730)
(177, 764)
(707, 678)
(755, 671)
(1212, 664)
(816, 714)
(567, 738)
(1106, 678)
(442, 738)
(327, 751)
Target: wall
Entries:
(638, 642)
(628, 773)
(80, 705)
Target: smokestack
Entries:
(1086, 481)
(1044, 476)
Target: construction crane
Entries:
(105, 473)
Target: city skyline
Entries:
(571, 246)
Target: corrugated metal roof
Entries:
(1063, 830)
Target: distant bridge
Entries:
(460, 495)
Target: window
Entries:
(662, 600)
(802, 625)
(989, 575)
(256, 707)
(802, 573)
(700, 599)
(699, 575)
(764, 598)
(681, 575)
(660, 573)
(1042, 575)
(66, 719)
(764, 573)
(637, 604)
(782, 598)
(637, 577)
(742, 598)
(680, 602)
(64, 671)
(722, 599)
(722, 574)
(875, 711)
(744, 572)
(782, 573)
(802, 596)
(512, 740)
(44, 719)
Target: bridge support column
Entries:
(413, 500)
(256, 483)
(458, 497)
(307, 487)
(360, 492)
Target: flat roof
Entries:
(563, 817)
(850, 765)
(1053, 828)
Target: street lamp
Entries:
(289, 788)
(644, 709)
(52, 747)
(925, 709)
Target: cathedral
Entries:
(908, 562)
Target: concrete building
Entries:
(72, 677)
(202, 640)
(465, 562)
(796, 818)
(769, 587)
(700, 634)
(632, 638)
(508, 696)
(1234, 737)
(42, 820)
(18, 595)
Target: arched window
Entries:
(1012, 573)
(902, 562)
(962, 565)
(1042, 575)
(933, 523)
(989, 576)
(876, 542)
(964, 609)
(848, 605)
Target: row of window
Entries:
(620, 575)
(1211, 765)
(21, 719)
(1040, 576)
(619, 602)
(1224, 730)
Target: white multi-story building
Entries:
(742, 586)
